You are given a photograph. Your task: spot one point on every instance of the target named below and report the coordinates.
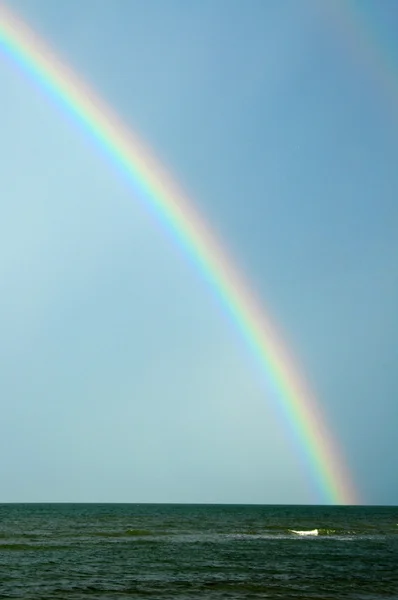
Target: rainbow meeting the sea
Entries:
(297, 406)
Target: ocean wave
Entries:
(336, 533)
(32, 547)
(127, 533)
(141, 532)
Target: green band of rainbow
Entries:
(297, 405)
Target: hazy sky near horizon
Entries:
(120, 378)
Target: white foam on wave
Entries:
(310, 532)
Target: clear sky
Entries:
(120, 379)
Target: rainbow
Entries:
(296, 404)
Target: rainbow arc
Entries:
(294, 401)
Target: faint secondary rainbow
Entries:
(294, 401)
(357, 28)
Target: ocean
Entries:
(161, 551)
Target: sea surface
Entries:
(197, 551)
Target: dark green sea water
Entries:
(197, 551)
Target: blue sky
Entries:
(121, 380)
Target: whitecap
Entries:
(310, 532)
